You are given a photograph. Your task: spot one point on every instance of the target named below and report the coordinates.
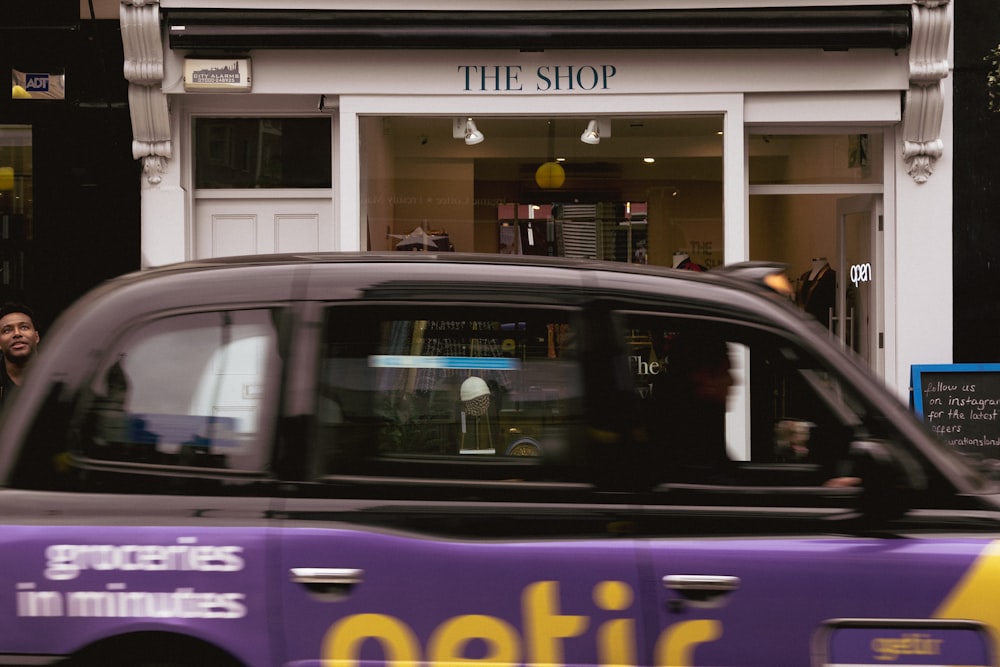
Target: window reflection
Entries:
(186, 390)
(262, 153)
(446, 382)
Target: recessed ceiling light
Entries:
(649, 160)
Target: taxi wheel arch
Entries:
(152, 649)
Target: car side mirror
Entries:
(890, 477)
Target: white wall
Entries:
(923, 298)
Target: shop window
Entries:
(645, 189)
(262, 153)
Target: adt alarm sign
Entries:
(36, 83)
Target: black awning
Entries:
(832, 28)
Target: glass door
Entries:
(642, 188)
(859, 308)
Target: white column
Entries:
(164, 218)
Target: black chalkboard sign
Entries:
(961, 404)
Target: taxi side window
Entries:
(422, 390)
(183, 391)
(732, 405)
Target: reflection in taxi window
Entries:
(440, 382)
(185, 391)
(733, 405)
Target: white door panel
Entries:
(260, 226)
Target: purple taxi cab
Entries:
(418, 458)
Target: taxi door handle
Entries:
(327, 582)
(703, 591)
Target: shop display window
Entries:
(640, 189)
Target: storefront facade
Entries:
(709, 133)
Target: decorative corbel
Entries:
(143, 49)
(922, 144)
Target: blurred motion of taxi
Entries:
(406, 458)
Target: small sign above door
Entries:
(217, 74)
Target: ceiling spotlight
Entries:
(472, 134)
(591, 135)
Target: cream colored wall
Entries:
(376, 208)
(793, 229)
(438, 196)
(685, 217)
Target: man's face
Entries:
(18, 337)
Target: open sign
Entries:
(861, 273)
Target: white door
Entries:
(253, 226)
(859, 271)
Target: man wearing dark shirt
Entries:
(18, 345)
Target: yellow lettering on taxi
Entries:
(544, 626)
(545, 630)
(446, 645)
(343, 640)
(615, 638)
(676, 645)
(912, 643)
